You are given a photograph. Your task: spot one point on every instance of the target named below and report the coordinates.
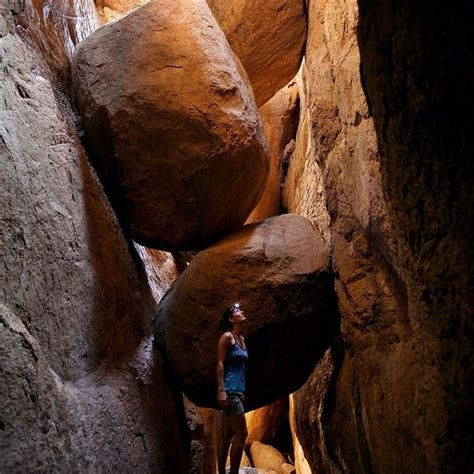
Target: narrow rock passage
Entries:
(179, 100)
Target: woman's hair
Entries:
(226, 325)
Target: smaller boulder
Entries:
(267, 36)
(266, 457)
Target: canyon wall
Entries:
(381, 166)
(81, 387)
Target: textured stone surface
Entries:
(160, 268)
(287, 468)
(55, 27)
(263, 424)
(112, 419)
(280, 121)
(266, 457)
(81, 389)
(384, 401)
(279, 271)
(424, 125)
(172, 124)
(336, 148)
(110, 10)
(304, 191)
(301, 463)
(201, 424)
(268, 37)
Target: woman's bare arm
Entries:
(222, 348)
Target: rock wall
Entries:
(385, 154)
(280, 122)
(414, 59)
(382, 166)
(81, 387)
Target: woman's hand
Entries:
(222, 398)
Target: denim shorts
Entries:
(234, 405)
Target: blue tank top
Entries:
(234, 368)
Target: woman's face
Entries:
(238, 316)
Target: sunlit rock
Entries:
(287, 468)
(55, 27)
(263, 423)
(375, 166)
(172, 124)
(267, 36)
(266, 457)
(280, 121)
(304, 192)
(110, 10)
(160, 268)
(301, 464)
(279, 270)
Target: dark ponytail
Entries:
(226, 325)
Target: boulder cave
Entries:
(311, 159)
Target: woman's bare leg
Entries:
(238, 426)
(225, 436)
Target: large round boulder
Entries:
(267, 36)
(279, 271)
(171, 124)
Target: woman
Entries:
(231, 358)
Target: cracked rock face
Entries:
(279, 270)
(81, 389)
(267, 36)
(172, 124)
(280, 122)
(376, 143)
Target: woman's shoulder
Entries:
(227, 336)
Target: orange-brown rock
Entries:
(301, 464)
(287, 468)
(266, 457)
(160, 268)
(263, 423)
(110, 10)
(201, 424)
(280, 272)
(280, 121)
(56, 27)
(376, 152)
(81, 387)
(303, 191)
(334, 179)
(268, 37)
(172, 124)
